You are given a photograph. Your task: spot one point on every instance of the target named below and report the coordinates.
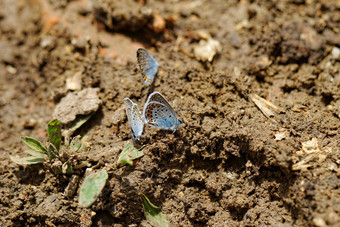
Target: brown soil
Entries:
(225, 166)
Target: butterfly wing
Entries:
(134, 118)
(160, 115)
(157, 97)
(148, 66)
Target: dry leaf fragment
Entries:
(311, 146)
(280, 135)
(310, 151)
(266, 107)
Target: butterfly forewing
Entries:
(157, 97)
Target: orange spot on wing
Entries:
(145, 78)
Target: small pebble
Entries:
(11, 69)
(335, 53)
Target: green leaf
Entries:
(77, 144)
(73, 126)
(54, 132)
(128, 154)
(78, 122)
(34, 144)
(34, 160)
(92, 187)
(153, 214)
(27, 160)
(36, 154)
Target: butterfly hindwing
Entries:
(134, 117)
(148, 66)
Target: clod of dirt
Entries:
(83, 102)
(49, 206)
(310, 36)
(72, 186)
(123, 16)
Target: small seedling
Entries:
(92, 187)
(128, 154)
(60, 162)
(153, 214)
(39, 153)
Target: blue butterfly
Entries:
(134, 118)
(157, 112)
(148, 66)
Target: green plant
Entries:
(73, 126)
(153, 213)
(39, 153)
(94, 183)
(92, 187)
(128, 154)
(61, 160)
